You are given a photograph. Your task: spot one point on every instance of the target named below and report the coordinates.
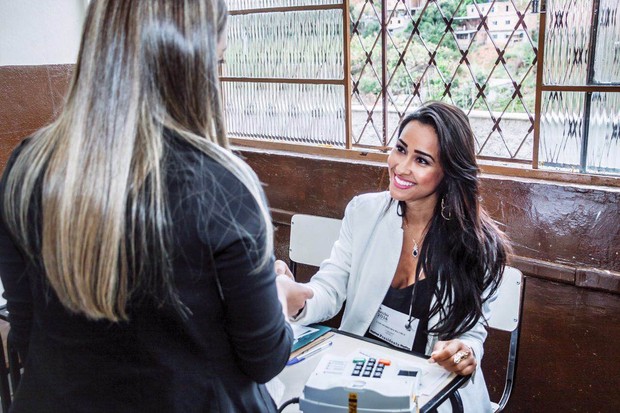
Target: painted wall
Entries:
(38, 32)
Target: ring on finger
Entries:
(460, 356)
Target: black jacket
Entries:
(211, 361)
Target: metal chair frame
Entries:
(514, 328)
(510, 306)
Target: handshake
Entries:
(292, 295)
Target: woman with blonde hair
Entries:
(135, 248)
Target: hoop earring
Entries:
(443, 210)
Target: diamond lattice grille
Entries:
(480, 56)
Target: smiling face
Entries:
(415, 171)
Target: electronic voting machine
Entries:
(361, 382)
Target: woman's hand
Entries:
(282, 269)
(454, 356)
(294, 293)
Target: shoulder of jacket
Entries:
(371, 201)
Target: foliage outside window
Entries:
(446, 50)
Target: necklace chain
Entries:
(415, 252)
(416, 248)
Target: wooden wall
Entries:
(566, 241)
(566, 238)
(30, 97)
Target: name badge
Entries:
(390, 326)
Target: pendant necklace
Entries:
(416, 248)
(415, 252)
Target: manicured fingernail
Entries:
(431, 361)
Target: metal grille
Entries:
(343, 74)
(480, 56)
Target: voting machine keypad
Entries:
(369, 367)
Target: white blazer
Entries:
(360, 270)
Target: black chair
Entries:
(5, 387)
(10, 364)
(15, 364)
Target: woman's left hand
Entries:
(454, 356)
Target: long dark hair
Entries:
(464, 253)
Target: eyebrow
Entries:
(402, 142)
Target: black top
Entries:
(211, 361)
(399, 299)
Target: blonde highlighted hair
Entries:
(144, 67)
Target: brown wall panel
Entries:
(568, 359)
(30, 97)
(307, 184)
(569, 227)
(573, 225)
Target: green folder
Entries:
(309, 340)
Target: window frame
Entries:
(590, 88)
(494, 167)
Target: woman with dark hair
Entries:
(135, 248)
(417, 265)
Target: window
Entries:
(284, 79)
(289, 78)
(580, 93)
